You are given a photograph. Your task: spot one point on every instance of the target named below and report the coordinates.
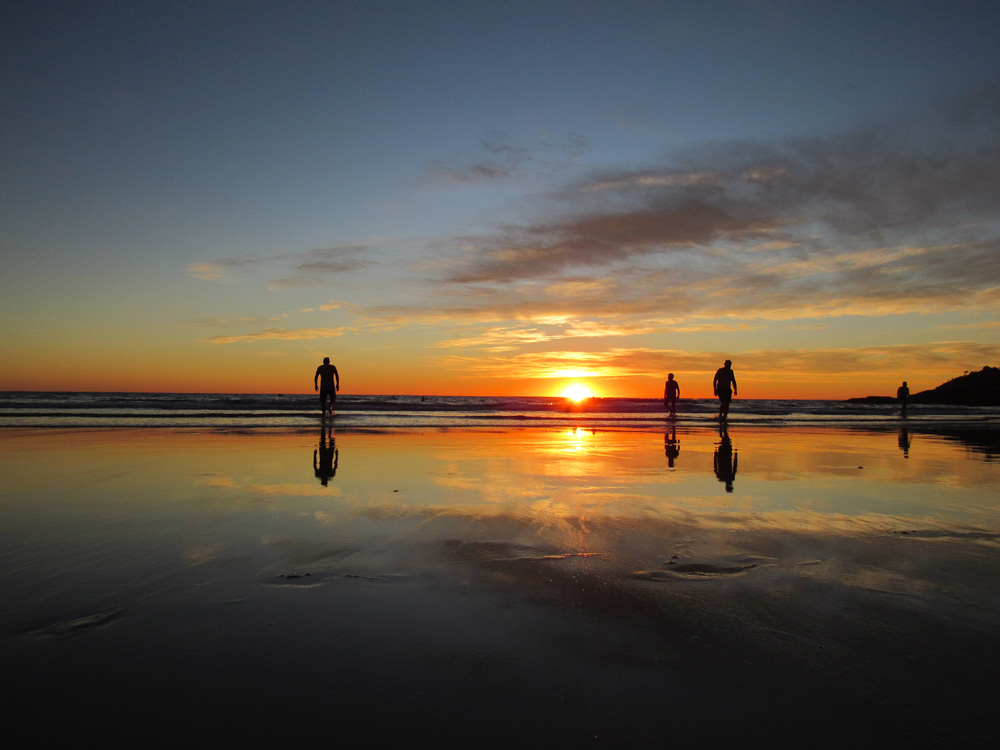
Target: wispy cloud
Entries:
(773, 364)
(324, 265)
(208, 272)
(501, 157)
(984, 325)
(337, 304)
(219, 320)
(279, 334)
(497, 339)
(553, 329)
(310, 267)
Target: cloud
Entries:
(336, 304)
(280, 334)
(307, 268)
(207, 272)
(321, 265)
(497, 339)
(984, 325)
(550, 364)
(885, 219)
(731, 327)
(771, 364)
(502, 157)
(740, 291)
(561, 328)
(949, 355)
(603, 239)
(219, 320)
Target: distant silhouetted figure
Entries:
(725, 460)
(724, 386)
(903, 394)
(326, 457)
(327, 382)
(671, 447)
(671, 391)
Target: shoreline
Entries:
(346, 425)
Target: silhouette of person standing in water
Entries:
(671, 392)
(903, 394)
(327, 382)
(724, 386)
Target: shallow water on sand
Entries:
(495, 586)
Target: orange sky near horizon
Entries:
(283, 375)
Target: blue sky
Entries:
(489, 197)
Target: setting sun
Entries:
(577, 392)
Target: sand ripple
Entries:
(691, 570)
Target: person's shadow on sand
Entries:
(671, 447)
(725, 459)
(325, 457)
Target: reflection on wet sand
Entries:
(904, 442)
(725, 460)
(326, 456)
(980, 441)
(488, 587)
(671, 446)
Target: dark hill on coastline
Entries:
(972, 389)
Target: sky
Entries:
(499, 198)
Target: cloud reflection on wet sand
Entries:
(542, 584)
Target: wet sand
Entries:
(498, 587)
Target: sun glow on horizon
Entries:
(577, 392)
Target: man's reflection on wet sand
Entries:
(671, 447)
(326, 456)
(725, 459)
(904, 442)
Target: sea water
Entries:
(54, 409)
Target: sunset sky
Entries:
(499, 197)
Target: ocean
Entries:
(231, 410)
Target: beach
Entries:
(800, 585)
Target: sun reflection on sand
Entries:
(575, 440)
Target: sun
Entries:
(577, 392)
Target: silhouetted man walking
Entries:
(671, 391)
(724, 386)
(327, 382)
